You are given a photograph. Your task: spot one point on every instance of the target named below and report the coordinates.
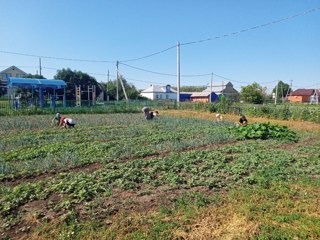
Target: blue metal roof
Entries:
(36, 83)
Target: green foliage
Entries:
(283, 90)
(253, 93)
(76, 78)
(192, 88)
(37, 76)
(110, 89)
(265, 131)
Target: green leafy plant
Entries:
(265, 131)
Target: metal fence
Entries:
(27, 107)
(305, 112)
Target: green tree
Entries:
(283, 89)
(131, 90)
(191, 88)
(253, 93)
(77, 78)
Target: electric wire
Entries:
(187, 75)
(150, 55)
(57, 58)
(169, 48)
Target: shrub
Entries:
(265, 131)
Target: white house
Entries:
(157, 92)
(226, 90)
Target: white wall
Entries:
(160, 96)
(148, 95)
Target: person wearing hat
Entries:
(219, 117)
(56, 119)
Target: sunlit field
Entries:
(180, 176)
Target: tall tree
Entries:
(131, 90)
(283, 89)
(253, 93)
(74, 79)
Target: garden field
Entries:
(179, 176)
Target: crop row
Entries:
(30, 152)
(245, 163)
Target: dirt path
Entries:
(296, 125)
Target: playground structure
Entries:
(92, 96)
(35, 85)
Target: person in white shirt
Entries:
(68, 122)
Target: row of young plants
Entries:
(284, 111)
(247, 163)
(120, 142)
(98, 138)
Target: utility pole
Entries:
(282, 93)
(275, 99)
(211, 87)
(124, 90)
(108, 86)
(178, 73)
(117, 83)
(40, 68)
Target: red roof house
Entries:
(304, 96)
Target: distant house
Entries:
(315, 98)
(305, 96)
(157, 92)
(204, 97)
(185, 96)
(216, 91)
(12, 71)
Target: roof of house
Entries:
(200, 94)
(34, 83)
(13, 68)
(158, 89)
(217, 88)
(303, 92)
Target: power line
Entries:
(105, 74)
(255, 27)
(149, 71)
(150, 55)
(57, 58)
(87, 60)
(169, 48)
(138, 80)
(188, 75)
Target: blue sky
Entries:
(128, 29)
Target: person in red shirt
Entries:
(62, 118)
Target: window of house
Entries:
(160, 96)
(6, 75)
(167, 96)
(19, 75)
(157, 96)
